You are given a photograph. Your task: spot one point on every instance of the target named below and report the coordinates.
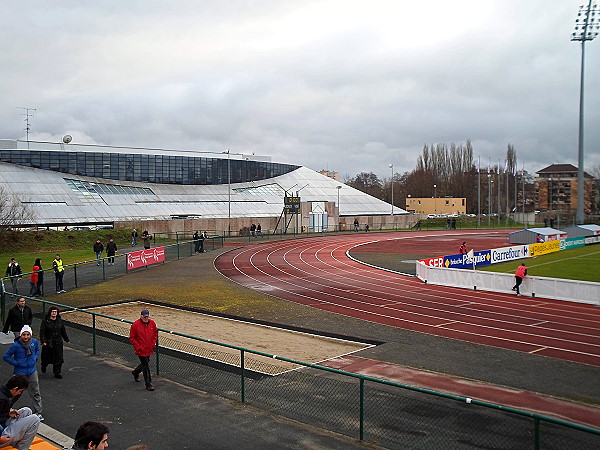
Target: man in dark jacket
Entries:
(18, 315)
(14, 272)
(111, 249)
(98, 248)
(19, 427)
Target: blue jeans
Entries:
(22, 430)
(98, 256)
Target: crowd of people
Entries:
(18, 427)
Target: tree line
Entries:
(452, 171)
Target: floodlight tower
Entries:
(392, 184)
(586, 29)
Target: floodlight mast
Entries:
(586, 29)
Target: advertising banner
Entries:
(465, 262)
(544, 248)
(592, 240)
(145, 257)
(509, 253)
(566, 244)
(437, 261)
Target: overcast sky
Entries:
(345, 85)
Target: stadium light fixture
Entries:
(587, 25)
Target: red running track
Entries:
(317, 272)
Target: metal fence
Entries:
(376, 411)
(86, 273)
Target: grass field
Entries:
(581, 263)
(74, 246)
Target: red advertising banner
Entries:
(438, 261)
(146, 257)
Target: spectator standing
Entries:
(40, 281)
(98, 249)
(519, 275)
(258, 230)
(91, 435)
(143, 335)
(23, 355)
(111, 250)
(33, 280)
(196, 238)
(551, 222)
(14, 272)
(52, 333)
(463, 248)
(355, 224)
(253, 230)
(18, 316)
(59, 272)
(19, 427)
(134, 237)
(147, 239)
(202, 238)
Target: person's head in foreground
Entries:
(92, 435)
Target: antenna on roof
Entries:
(27, 126)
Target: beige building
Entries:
(330, 174)
(436, 205)
(556, 189)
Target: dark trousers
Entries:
(518, 281)
(144, 368)
(59, 281)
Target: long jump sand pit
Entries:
(294, 345)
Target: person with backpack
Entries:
(14, 272)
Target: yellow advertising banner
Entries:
(544, 248)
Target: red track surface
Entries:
(318, 273)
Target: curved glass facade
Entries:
(147, 168)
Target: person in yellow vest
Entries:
(59, 271)
(519, 275)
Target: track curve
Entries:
(317, 272)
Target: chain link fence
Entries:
(375, 411)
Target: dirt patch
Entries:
(303, 347)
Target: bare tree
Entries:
(369, 183)
(12, 211)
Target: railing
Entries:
(385, 413)
(85, 273)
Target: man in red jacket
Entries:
(143, 335)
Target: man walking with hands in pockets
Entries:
(143, 335)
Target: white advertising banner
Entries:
(509, 253)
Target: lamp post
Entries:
(490, 181)
(228, 194)
(550, 194)
(435, 199)
(586, 29)
(339, 220)
(392, 184)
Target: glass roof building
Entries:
(72, 183)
